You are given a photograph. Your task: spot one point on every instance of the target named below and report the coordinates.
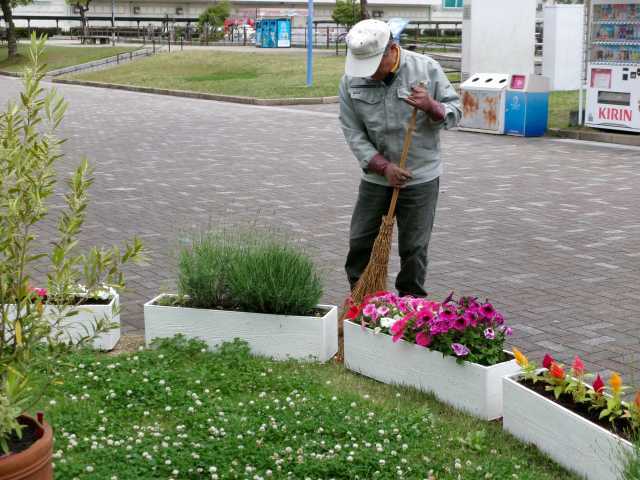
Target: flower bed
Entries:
(584, 427)
(463, 364)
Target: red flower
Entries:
(353, 312)
(547, 361)
(557, 371)
(578, 367)
(598, 385)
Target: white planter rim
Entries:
(476, 365)
(514, 380)
(153, 303)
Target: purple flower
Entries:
(508, 331)
(460, 350)
(489, 334)
(498, 319)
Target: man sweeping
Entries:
(382, 85)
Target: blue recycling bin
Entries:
(273, 33)
(527, 106)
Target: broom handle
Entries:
(403, 159)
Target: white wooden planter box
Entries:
(571, 440)
(473, 388)
(276, 336)
(84, 323)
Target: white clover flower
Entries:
(89, 468)
(167, 462)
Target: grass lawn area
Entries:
(181, 412)
(245, 74)
(58, 57)
(560, 104)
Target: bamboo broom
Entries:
(374, 278)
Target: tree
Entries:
(7, 12)
(83, 7)
(215, 15)
(347, 13)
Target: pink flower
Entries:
(460, 324)
(370, 311)
(397, 329)
(460, 350)
(489, 334)
(488, 311)
(423, 339)
(578, 367)
(508, 331)
(499, 319)
(383, 310)
(448, 313)
(471, 318)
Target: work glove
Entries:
(396, 176)
(421, 99)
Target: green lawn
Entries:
(245, 74)
(58, 57)
(560, 104)
(180, 412)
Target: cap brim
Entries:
(362, 67)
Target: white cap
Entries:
(366, 43)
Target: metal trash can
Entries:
(483, 102)
(527, 110)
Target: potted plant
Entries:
(251, 285)
(32, 334)
(453, 349)
(86, 307)
(585, 427)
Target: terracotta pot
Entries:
(34, 463)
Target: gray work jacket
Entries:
(374, 116)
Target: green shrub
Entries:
(202, 270)
(252, 271)
(274, 276)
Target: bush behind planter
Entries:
(251, 271)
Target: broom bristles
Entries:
(374, 277)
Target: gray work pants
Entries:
(415, 214)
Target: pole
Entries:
(309, 43)
(113, 22)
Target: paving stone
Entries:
(546, 229)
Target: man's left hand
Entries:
(421, 99)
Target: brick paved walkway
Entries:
(546, 229)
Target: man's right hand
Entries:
(397, 177)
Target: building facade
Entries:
(414, 10)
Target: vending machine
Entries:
(613, 73)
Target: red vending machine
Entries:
(613, 74)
